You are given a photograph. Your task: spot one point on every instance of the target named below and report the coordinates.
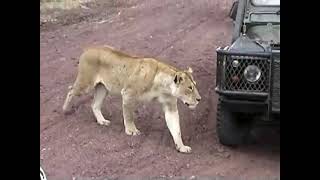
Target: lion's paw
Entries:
(185, 149)
(133, 132)
(104, 122)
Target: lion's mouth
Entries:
(191, 106)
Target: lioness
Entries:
(106, 70)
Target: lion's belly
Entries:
(148, 96)
(112, 84)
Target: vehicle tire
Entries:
(239, 10)
(231, 130)
(233, 10)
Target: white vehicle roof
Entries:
(266, 2)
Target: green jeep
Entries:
(248, 71)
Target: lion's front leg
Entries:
(172, 120)
(128, 105)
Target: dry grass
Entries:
(65, 12)
(61, 4)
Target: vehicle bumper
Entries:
(247, 103)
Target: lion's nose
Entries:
(198, 99)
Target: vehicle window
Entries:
(266, 2)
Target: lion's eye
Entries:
(190, 87)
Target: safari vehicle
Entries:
(248, 71)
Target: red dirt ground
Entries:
(182, 33)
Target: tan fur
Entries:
(106, 70)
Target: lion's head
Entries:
(184, 88)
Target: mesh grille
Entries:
(234, 79)
(276, 85)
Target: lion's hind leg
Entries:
(100, 92)
(70, 95)
(77, 89)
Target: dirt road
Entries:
(182, 33)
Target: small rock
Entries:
(219, 174)
(62, 59)
(227, 155)
(220, 149)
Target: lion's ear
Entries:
(177, 78)
(190, 70)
